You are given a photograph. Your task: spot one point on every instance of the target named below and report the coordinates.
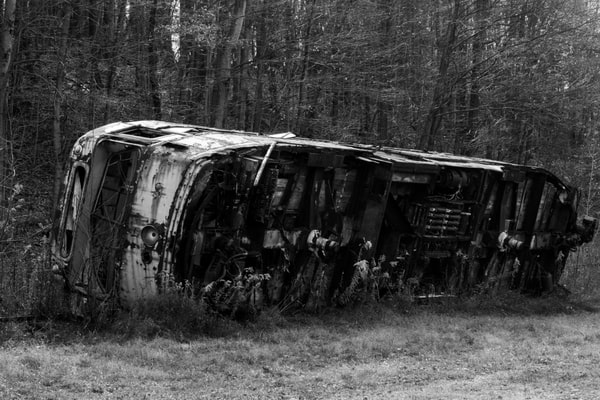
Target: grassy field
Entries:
(522, 349)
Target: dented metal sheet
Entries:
(302, 223)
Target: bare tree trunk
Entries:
(57, 103)
(442, 90)
(241, 91)
(153, 64)
(469, 131)
(208, 82)
(92, 20)
(224, 56)
(261, 45)
(383, 110)
(115, 29)
(304, 71)
(366, 126)
(6, 55)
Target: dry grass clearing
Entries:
(427, 352)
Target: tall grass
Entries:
(175, 313)
(582, 272)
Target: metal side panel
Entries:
(157, 184)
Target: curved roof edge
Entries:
(153, 132)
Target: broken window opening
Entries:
(108, 217)
(72, 207)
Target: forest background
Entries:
(513, 80)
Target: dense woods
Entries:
(515, 80)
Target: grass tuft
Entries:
(512, 303)
(171, 314)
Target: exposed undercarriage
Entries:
(307, 229)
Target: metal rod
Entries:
(263, 164)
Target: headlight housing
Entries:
(150, 235)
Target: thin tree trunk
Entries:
(208, 81)
(367, 115)
(57, 103)
(6, 55)
(382, 122)
(153, 64)
(304, 71)
(442, 90)
(116, 29)
(92, 20)
(261, 45)
(241, 92)
(223, 72)
(481, 14)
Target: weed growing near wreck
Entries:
(177, 311)
(582, 273)
(224, 308)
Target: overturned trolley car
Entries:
(301, 222)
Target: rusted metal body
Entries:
(301, 222)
